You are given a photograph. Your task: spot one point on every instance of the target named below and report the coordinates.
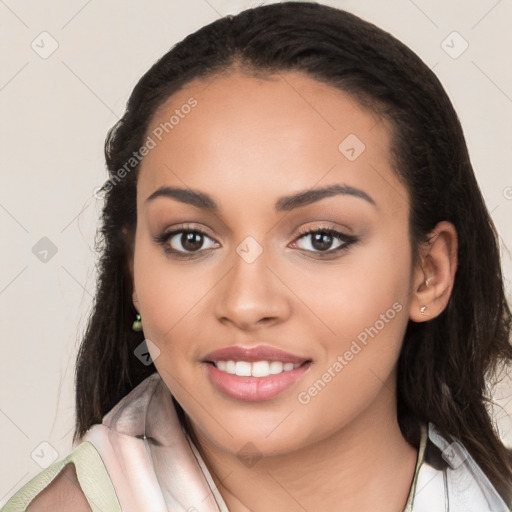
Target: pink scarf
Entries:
(152, 462)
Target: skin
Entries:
(61, 495)
(248, 142)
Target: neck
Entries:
(365, 463)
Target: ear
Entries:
(434, 276)
(134, 293)
(130, 268)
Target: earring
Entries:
(422, 309)
(137, 323)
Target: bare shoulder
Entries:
(63, 494)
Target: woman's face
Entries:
(336, 302)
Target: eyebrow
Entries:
(283, 204)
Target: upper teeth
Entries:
(256, 369)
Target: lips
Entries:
(253, 354)
(252, 383)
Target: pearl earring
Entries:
(137, 323)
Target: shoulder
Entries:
(70, 484)
(63, 494)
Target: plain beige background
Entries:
(55, 111)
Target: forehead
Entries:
(283, 132)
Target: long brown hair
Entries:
(446, 364)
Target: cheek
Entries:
(363, 306)
(354, 292)
(172, 296)
(162, 292)
(379, 311)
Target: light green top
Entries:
(92, 476)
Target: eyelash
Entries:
(348, 239)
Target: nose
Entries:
(252, 295)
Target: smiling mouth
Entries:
(255, 369)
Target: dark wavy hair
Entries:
(448, 364)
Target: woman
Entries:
(300, 288)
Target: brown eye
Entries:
(321, 241)
(191, 241)
(184, 242)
